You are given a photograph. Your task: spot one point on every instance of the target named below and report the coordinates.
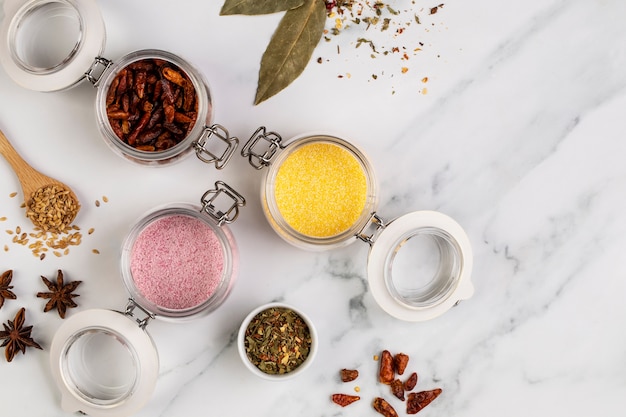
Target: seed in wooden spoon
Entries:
(52, 208)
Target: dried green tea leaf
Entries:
(290, 48)
(256, 7)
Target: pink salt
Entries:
(177, 262)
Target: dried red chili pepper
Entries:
(400, 362)
(418, 400)
(384, 408)
(411, 382)
(386, 372)
(147, 98)
(344, 399)
(140, 83)
(397, 389)
(348, 375)
(173, 76)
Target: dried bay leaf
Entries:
(290, 48)
(256, 7)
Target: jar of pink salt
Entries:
(179, 261)
(319, 192)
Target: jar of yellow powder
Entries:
(320, 193)
(319, 190)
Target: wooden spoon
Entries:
(32, 182)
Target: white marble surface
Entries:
(520, 138)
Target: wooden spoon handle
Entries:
(25, 173)
(12, 156)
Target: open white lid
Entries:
(104, 363)
(49, 45)
(419, 266)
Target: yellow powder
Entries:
(321, 190)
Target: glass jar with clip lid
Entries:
(179, 262)
(319, 192)
(152, 106)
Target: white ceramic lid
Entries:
(48, 45)
(104, 363)
(420, 265)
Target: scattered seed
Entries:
(96, 251)
(48, 209)
(105, 198)
(97, 203)
(13, 194)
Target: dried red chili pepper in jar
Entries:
(151, 105)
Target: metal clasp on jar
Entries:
(230, 213)
(129, 311)
(205, 155)
(97, 69)
(375, 224)
(257, 159)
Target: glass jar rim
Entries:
(18, 37)
(74, 354)
(433, 287)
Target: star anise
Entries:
(16, 337)
(5, 288)
(60, 295)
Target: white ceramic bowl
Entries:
(276, 377)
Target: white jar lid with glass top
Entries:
(319, 192)
(179, 262)
(152, 106)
